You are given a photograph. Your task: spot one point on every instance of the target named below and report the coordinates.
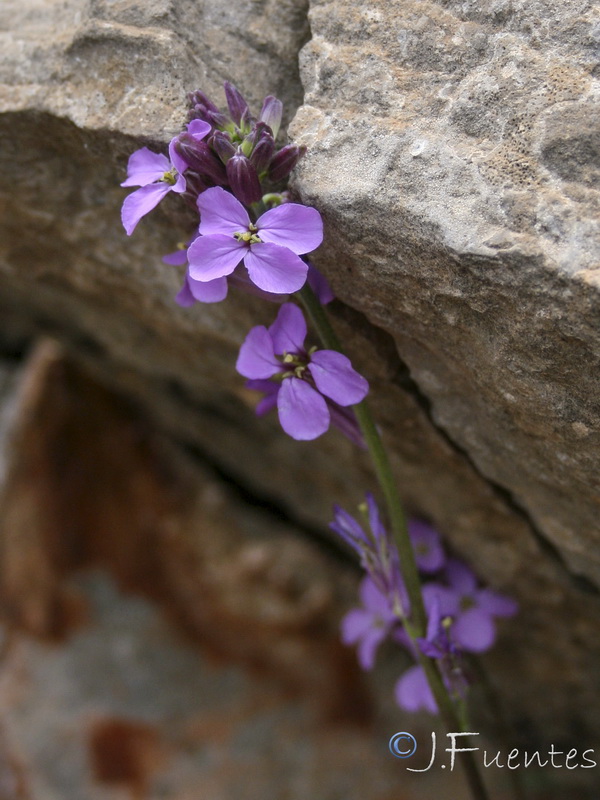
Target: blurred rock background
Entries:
(170, 593)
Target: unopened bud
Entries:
(236, 103)
(198, 98)
(243, 179)
(218, 120)
(200, 158)
(271, 114)
(263, 153)
(284, 161)
(221, 143)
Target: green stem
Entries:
(416, 627)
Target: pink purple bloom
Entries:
(157, 176)
(413, 693)
(370, 625)
(472, 610)
(307, 383)
(214, 291)
(270, 249)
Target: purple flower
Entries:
(270, 249)
(214, 291)
(429, 552)
(471, 609)
(370, 625)
(413, 693)
(307, 382)
(440, 645)
(157, 176)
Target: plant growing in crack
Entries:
(250, 236)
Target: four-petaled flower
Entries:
(307, 382)
(471, 609)
(270, 248)
(370, 625)
(157, 176)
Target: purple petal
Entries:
(474, 630)
(336, 378)
(220, 212)
(355, 625)
(375, 523)
(427, 545)
(209, 291)
(213, 257)
(498, 605)
(275, 269)
(271, 389)
(434, 617)
(180, 165)
(375, 601)
(198, 128)
(292, 225)
(413, 693)
(257, 359)
(348, 528)
(267, 404)
(145, 167)
(303, 413)
(461, 577)
(448, 600)
(176, 259)
(320, 285)
(288, 332)
(367, 648)
(139, 203)
(184, 297)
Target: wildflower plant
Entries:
(250, 236)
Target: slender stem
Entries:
(416, 626)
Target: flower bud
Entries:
(284, 161)
(198, 111)
(236, 103)
(243, 179)
(198, 98)
(271, 114)
(263, 152)
(221, 144)
(218, 120)
(200, 158)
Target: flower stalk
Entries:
(417, 624)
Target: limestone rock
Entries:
(455, 150)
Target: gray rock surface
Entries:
(455, 150)
(452, 154)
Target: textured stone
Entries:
(454, 148)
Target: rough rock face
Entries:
(453, 153)
(455, 148)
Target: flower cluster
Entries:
(252, 238)
(461, 615)
(228, 167)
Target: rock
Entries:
(455, 151)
